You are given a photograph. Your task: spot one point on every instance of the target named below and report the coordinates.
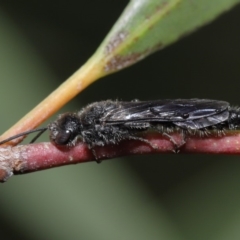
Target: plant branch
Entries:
(39, 156)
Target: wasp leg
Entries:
(177, 146)
(130, 138)
(94, 154)
(144, 140)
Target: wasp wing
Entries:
(186, 113)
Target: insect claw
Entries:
(95, 155)
(176, 145)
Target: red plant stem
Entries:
(39, 156)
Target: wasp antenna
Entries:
(41, 130)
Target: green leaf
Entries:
(149, 25)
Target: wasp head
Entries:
(65, 129)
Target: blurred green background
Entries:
(168, 197)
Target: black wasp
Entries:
(110, 122)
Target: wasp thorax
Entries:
(65, 129)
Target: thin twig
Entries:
(39, 156)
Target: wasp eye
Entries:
(63, 137)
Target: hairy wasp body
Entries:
(110, 122)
